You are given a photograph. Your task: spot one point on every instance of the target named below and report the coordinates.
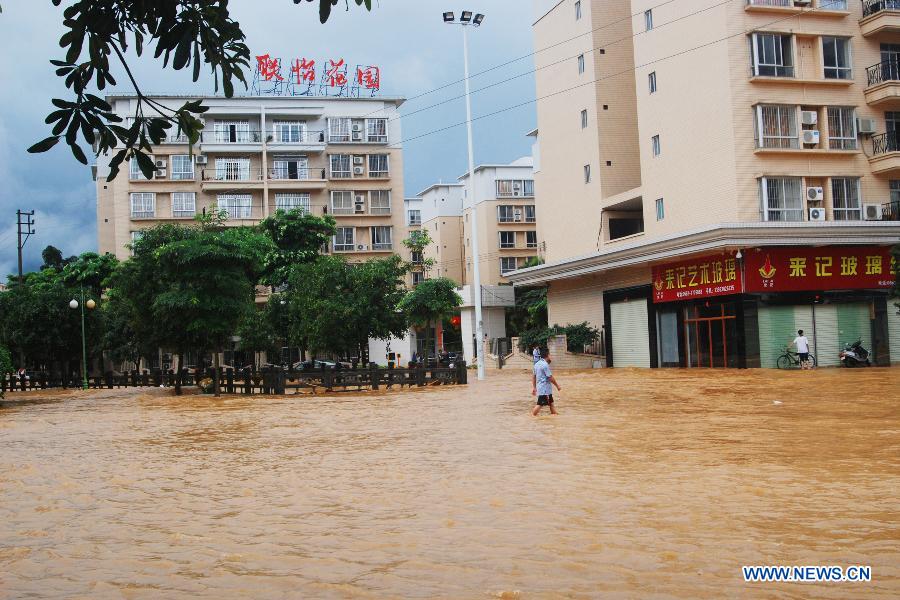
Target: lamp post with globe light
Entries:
(74, 304)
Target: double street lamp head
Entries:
(466, 18)
(90, 304)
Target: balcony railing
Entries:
(783, 3)
(143, 214)
(220, 174)
(241, 136)
(311, 136)
(383, 246)
(301, 174)
(885, 143)
(871, 7)
(890, 211)
(888, 70)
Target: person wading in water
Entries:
(542, 382)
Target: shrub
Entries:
(6, 366)
(577, 336)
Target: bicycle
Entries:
(791, 360)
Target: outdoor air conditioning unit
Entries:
(866, 126)
(362, 247)
(815, 194)
(161, 164)
(809, 117)
(358, 170)
(872, 212)
(517, 216)
(161, 173)
(357, 127)
(811, 137)
(817, 214)
(358, 160)
(201, 159)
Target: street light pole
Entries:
(73, 305)
(467, 20)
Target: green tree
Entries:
(52, 257)
(416, 243)
(185, 33)
(429, 302)
(297, 237)
(6, 366)
(257, 333)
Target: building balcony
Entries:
(834, 8)
(890, 211)
(295, 141)
(885, 156)
(231, 141)
(227, 179)
(296, 179)
(880, 16)
(883, 82)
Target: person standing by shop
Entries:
(802, 344)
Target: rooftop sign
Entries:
(306, 77)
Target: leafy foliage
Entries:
(417, 241)
(297, 237)
(6, 365)
(429, 302)
(53, 258)
(577, 336)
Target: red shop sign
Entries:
(702, 277)
(819, 269)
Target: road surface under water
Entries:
(648, 485)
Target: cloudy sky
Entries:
(406, 38)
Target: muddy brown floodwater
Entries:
(650, 484)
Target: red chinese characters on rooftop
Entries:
(269, 69)
(306, 77)
(304, 70)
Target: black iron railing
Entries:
(885, 142)
(871, 7)
(888, 70)
(890, 211)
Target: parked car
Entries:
(317, 365)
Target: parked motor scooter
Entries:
(854, 355)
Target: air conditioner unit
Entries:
(360, 199)
(201, 159)
(362, 247)
(357, 127)
(809, 117)
(517, 216)
(872, 212)
(358, 170)
(359, 160)
(866, 126)
(161, 164)
(161, 173)
(815, 194)
(810, 136)
(357, 136)
(817, 214)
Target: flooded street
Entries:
(650, 484)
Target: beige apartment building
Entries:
(713, 176)
(336, 156)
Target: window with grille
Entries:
(290, 132)
(414, 217)
(505, 214)
(233, 169)
(772, 55)
(531, 239)
(340, 166)
(343, 239)
(380, 202)
(417, 277)
(776, 126)
(232, 132)
(143, 205)
(290, 167)
(782, 198)
(836, 56)
(845, 201)
(842, 128)
(378, 165)
(342, 203)
(134, 170)
(530, 214)
(381, 238)
(339, 129)
(507, 239)
(182, 166)
(236, 206)
(507, 265)
(184, 204)
(376, 130)
(292, 202)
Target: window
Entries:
(184, 204)
(648, 20)
(507, 239)
(584, 119)
(340, 166)
(380, 202)
(505, 214)
(343, 239)
(414, 217)
(136, 235)
(378, 165)
(381, 238)
(290, 132)
(515, 188)
(836, 56)
(417, 258)
(507, 265)
(339, 129)
(651, 79)
(290, 167)
(232, 169)
(237, 206)
(577, 10)
(845, 203)
(134, 170)
(417, 278)
(233, 132)
(587, 173)
(833, 4)
(660, 209)
(772, 55)
(895, 191)
(580, 64)
(292, 202)
(776, 126)
(654, 141)
(782, 198)
(841, 128)
(376, 131)
(182, 166)
(529, 214)
(342, 203)
(143, 205)
(531, 239)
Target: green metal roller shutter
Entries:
(894, 331)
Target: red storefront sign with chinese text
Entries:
(702, 277)
(818, 269)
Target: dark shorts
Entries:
(545, 400)
(804, 356)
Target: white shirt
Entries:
(802, 343)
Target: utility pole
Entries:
(28, 225)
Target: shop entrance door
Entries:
(711, 335)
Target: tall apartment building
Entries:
(336, 156)
(719, 175)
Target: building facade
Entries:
(719, 175)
